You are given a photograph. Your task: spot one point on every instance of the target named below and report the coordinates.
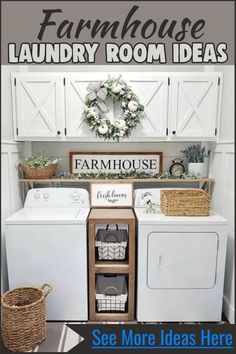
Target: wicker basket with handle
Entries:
(46, 172)
(24, 317)
(189, 202)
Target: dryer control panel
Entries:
(57, 198)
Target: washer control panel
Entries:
(57, 197)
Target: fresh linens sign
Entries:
(150, 163)
(111, 195)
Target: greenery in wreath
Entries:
(95, 107)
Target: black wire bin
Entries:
(111, 292)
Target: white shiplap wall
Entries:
(222, 170)
(61, 150)
(223, 203)
(10, 193)
(10, 151)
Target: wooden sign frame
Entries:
(159, 154)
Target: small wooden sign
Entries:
(105, 162)
(113, 195)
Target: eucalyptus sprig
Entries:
(120, 175)
(133, 174)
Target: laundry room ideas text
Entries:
(168, 39)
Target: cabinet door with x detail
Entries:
(194, 105)
(39, 110)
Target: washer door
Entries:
(182, 260)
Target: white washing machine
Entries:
(46, 242)
(181, 264)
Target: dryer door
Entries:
(182, 260)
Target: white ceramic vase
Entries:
(198, 168)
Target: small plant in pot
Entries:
(197, 160)
(39, 166)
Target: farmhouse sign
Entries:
(97, 162)
(111, 195)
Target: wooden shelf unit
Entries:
(123, 180)
(203, 183)
(127, 267)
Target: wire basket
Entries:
(111, 303)
(46, 172)
(111, 244)
(189, 202)
(111, 293)
(24, 317)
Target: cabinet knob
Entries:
(173, 132)
(58, 132)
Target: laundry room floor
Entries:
(60, 338)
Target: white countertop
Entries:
(159, 218)
(49, 216)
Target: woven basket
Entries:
(189, 202)
(24, 318)
(39, 173)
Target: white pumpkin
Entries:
(116, 88)
(121, 124)
(133, 105)
(103, 129)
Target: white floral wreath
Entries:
(95, 105)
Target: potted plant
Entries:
(197, 162)
(38, 166)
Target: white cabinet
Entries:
(39, 106)
(177, 106)
(152, 90)
(76, 91)
(194, 105)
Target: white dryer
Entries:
(46, 242)
(181, 264)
